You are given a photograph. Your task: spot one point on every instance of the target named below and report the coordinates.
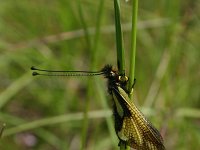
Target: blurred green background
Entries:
(49, 34)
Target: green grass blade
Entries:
(85, 121)
(56, 120)
(99, 88)
(133, 46)
(15, 87)
(109, 119)
(93, 54)
(87, 36)
(119, 38)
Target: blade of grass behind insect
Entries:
(98, 24)
(86, 109)
(15, 87)
(98, 83)
(94, 51)
(93, 57)
(119, 39)
(170, 39)
(69, 118)
(105, 106)
(133, 46)
(81, 12)
(99, 88)
(40, 132)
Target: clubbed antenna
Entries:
(45, 72)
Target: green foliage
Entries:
(48, 34)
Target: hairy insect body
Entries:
(131, 127)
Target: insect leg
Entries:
(134, 83)
(131, 91)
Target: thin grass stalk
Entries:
(109, 119)
(15, 87)
(40, 132)
(98, 88)
(93, 53)
(94, 50)
(119, 39)
(21, 125)
(86, 109)
(98, 25)
(133, 46)
(86, 32)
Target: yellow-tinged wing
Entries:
(134, 128)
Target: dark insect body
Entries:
(131, 126)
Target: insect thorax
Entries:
(114, 78)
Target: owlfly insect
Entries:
(131, 126)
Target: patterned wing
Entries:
(131, 125)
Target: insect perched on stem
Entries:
(131, 127)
